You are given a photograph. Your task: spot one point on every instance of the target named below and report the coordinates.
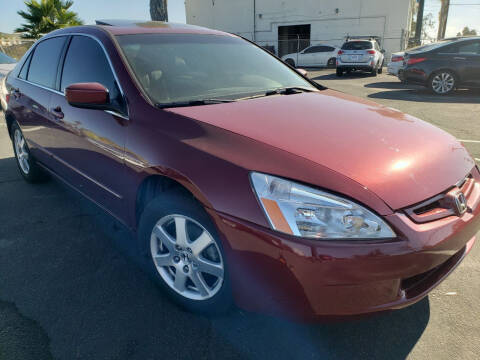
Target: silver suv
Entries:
(360, 54)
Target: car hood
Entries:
(400, 158)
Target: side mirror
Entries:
(302, 72)
(88, 95)
(382, 51)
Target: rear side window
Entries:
(44, 63)
(313, 49)
(357, 45)
(24, 71)
(86, 62)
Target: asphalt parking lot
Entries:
(70, 288)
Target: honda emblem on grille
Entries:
(460, 203)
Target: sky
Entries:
(89, 10)
(461, 13)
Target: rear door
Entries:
(307, 57)
(91, 142)
(324, 54)
(32, 91)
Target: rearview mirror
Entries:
(302, 72)
(88, 95)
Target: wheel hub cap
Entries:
(21, 151)
(443, 83)
(187, 257)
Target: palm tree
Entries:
(44, 16)
(158, 10)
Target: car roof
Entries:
(123, 27)
(126, 27)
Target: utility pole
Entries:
(418, 29)
(443, 17)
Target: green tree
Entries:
(43, 16)
(467, 32)
(158, 10)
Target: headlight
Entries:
(300, 210)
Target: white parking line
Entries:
(469, 141)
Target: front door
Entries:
(90, 147)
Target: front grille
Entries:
(442, 205)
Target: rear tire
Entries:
(290, 62)
(374, 72)
(178, 260)
(339, 72)
(332, 63)
(26, 163)
(380, 69)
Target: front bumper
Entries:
(414, 75)
(283, 275)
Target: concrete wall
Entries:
(330, 20)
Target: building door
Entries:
(293, 38)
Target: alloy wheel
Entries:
(21, 151)
(187, 257)
(443, 83)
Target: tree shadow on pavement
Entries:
(68, 267)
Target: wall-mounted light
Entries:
(260, 16)
(337, 11)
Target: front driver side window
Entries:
(86, 62)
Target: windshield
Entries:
(176, 68)
(357, 45)
(5, 59)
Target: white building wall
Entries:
(330, 20)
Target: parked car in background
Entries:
(6, 65)
(445, 66)
(396, 63)
(315, 55)
(241, 180)
(360, 55)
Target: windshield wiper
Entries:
(192, 103)
(281, 91)
(288, 90)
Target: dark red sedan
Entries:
(242, 180)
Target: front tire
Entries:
(184, 253)
(443, 82)
(27, 165)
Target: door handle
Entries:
(57, 112)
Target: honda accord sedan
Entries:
(243, 181)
